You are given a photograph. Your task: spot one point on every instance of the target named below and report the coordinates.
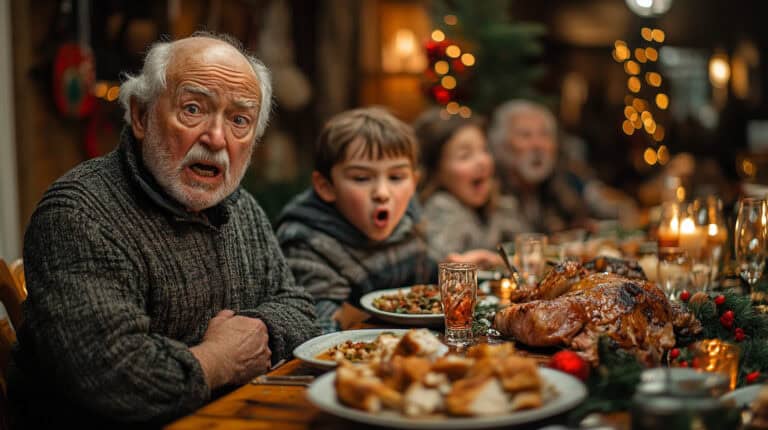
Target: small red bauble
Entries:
(683, 363)
(752, 377)
(720, 300)
(695, 362)
(738, 334)
(685, 295)
(727, 319)
(674, 353)
(571, 363)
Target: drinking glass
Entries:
(529, 249)
(673, 271)
(750, 239)
(708, 213)
(458, 292)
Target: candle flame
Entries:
(712, 230)
(687, 226)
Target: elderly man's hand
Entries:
(234, 349)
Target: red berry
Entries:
(729, 314)
(683, 363)
(570, 362)
(752, 377)
(685, 295)
(695, 363)
(674, 353)
(720, 300)
(738, 334)
(727, 319)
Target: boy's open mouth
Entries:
(380, 217)
(206, 170)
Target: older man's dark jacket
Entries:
(122, 281)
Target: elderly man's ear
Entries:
(138, 119)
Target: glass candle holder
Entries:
(458, 293)
(715, 355)
(530, 251)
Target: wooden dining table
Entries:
(282, 406)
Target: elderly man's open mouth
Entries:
(206, 170)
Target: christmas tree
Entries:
(479, 58)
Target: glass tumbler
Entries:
(458, 292)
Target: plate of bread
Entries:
(420, 387)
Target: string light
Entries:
(640, 55)
(438, 36)
(627, 127)
(465, 112)
(653, 79)
(646, 33)
(441, 67)
(113, 93)
(450, 19)
(650, 156)
(651, 54)
(468, 59)
(453, 51)
(452, 108)
(634, 84)
(658, 35)
(662, 154)
(662, 101)
(632, 68)
(448, 82)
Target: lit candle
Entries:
(505, 290)
(669, 233)
(692, 237)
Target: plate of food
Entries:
(418, 305)
(752, 400)
(744, 396)
(490, 386)
(354, 345)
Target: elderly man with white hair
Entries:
(153, 277)
(553, 196)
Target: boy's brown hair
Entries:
(382, 134)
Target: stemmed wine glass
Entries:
(707, 214)
(750, 239)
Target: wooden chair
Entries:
(17, 271)
(10, 317)
(11, 295)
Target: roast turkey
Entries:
(575, 304)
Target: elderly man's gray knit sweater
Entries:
(122, 281)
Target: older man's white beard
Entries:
(194, 196)
(534, 167)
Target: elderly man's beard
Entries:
(534, 166)
(195, 196)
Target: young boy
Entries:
(355, 230)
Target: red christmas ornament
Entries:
(571, 363)
(695, 362)
(738, 334)
(720, 300)
(683, 363)
(752, 377)
(685, 295)
(727, 319)
(442, 95)
(674, 353)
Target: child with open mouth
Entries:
(463, 210)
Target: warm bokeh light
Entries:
(680, 194)
(651, 54)
(630, 113)
(650, 126)
(468, 59)
(719, 70)
(448, 82)
(450, 19)
(452, 108)
(444, 114)
(438, 36)
(658, 135)
(646, 33)
(662, 155)
(649, 156)
(631, 67)
(621, 51)
(658, 35)
(465, 112)
(113, 93)
(441, 67)
(627, 127)
(646, 116)
(653, 79)
(640, 55)
(639, 104)
(100, 89)
(662, 101)
(748, 167)
(453, 51)
(633, 84)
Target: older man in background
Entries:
(554, 195)
(153, 277)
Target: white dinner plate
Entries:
(309, 350)
(742, 397)
(411, 320)
(570, 392)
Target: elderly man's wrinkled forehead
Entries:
(207, 55)
(531, 116)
